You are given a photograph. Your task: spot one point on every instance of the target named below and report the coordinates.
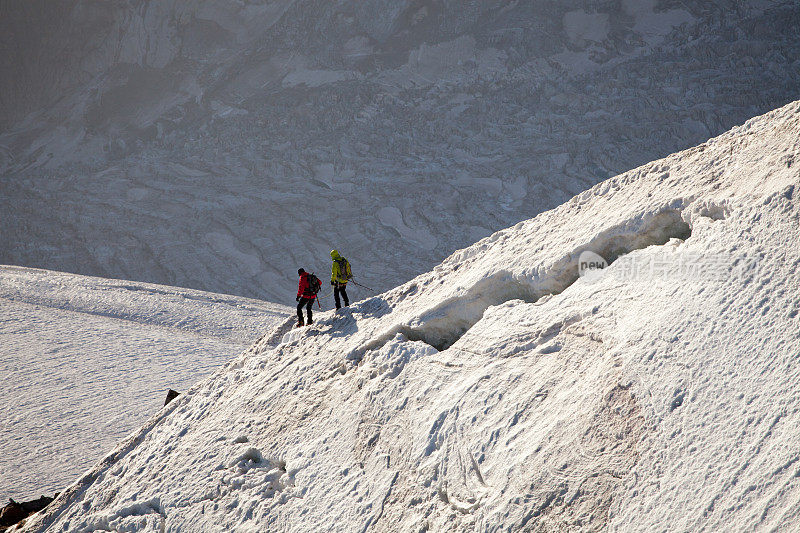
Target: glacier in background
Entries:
(220, 145)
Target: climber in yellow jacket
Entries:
(340, 275)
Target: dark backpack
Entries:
(314, 284)
(344, 269)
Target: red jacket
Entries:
(302, 289)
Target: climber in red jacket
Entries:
(307, 290)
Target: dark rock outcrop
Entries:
(15, 512)
(171, 395)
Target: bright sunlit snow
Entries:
(84, 361)
(502, 392)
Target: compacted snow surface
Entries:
(501, 391)
(84, 361)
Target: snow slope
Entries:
(501, 391)
(222, 144)
(84, 361)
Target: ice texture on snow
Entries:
(658, 394)
(181, 142)
(654, 25)
(582, 26)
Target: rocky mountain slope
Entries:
(221, 145)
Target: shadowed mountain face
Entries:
(221, 145)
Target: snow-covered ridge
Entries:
(395, 131)
(666, 398)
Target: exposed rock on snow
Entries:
(501, 391)
(171, 395)
(15, 512)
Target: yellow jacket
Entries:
(340, 269)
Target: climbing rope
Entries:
(354, 282)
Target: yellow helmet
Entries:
(335, 254)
